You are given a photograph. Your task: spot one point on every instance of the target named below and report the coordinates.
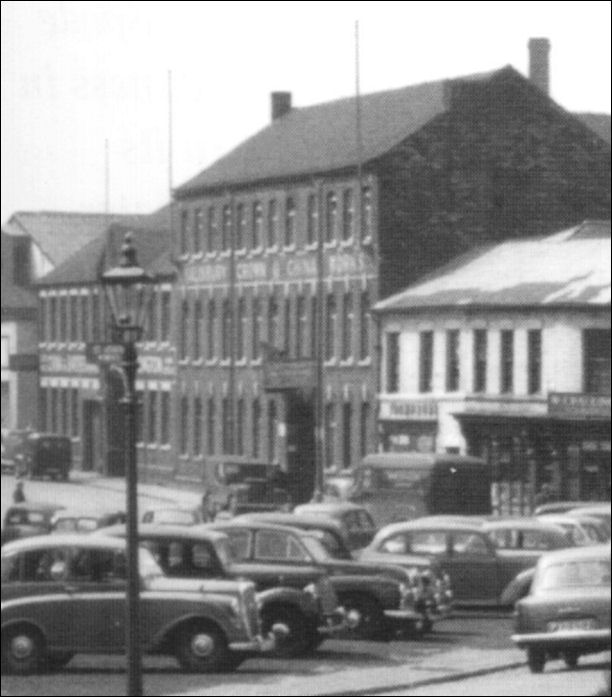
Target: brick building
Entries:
(505, 354)
(437, 169)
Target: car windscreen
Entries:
(569, 574)
(173, 518)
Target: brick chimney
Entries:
(280, 103)
(539, 72)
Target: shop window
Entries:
(452, 360)
(393, 361)
(596, 349)
(272, 430)
(480, 360)
(426, 361)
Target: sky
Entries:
(77, 75)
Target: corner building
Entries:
(310, 210)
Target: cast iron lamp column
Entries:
(128, 291)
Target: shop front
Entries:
(408, 425)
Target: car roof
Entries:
(160, 532)
(576, 554)
(561, 506)
(559, 518)
(329, 506)
(42, 506)
(245, 523)
(291, 520)
(431, 523)
(70, 540)
(595, 508)
(87, 512)
(520, 524)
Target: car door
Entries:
(473, 567)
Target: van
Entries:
(45, 455)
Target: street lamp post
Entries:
(128, 291)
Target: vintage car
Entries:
(65, 594)
(581, 532)
(306, 605)
(359, 527)
(563, 506)
(28, 519)
(567, 612)
(45, 455)
(526, 535)
(479, 571)
(69, 520)
(600, 511)
(434, 597)
(278, 555)
(171, 515)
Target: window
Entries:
(507, 361)
(393, 361)
(302, 328)
(364, 328)
(151, 321)
(480, 360)
(184, 427)
(452, 360)
(312, 220)
(212, 230)
(226, 338)
(347, 327)
(5, 351)
(226, 416)
(73, 329)
(426, 361)
(240, 413)
(331, 217)
(289, 222)
(272, 321)
(256, 428)
(152, 417)
(184, 338)
(596, 351)
(75, 423)
(139, 416)
(164, 423)
(211, 320)
(257, 225)
(348, 215)
(241, 329)
(198, 326)
(314, 310)
(270, 544)
(534, 361)
(226, 232)
(428, 542)
(184, 232)
(272, 223)
(287, 329)
(272, 430)
(364, 428)
(52, 325)
(330, 434)
(366, 213)
(330, 324)
(97, 317)
(166, 302)
(210, 425)
(64, 411)
(63, 318)
(198, 230)
(347, 435)
(240, 227)
(197, 426)
(467, 543)
(257, 328)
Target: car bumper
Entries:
(406, 615)
(258, 644)
(586, 638)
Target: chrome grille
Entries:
(328, 600)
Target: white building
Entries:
(505, 354)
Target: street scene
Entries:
(306, 354)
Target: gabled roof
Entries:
(321, 138)
(153, 248)
(599, 123)
(60, 234)
(570, 268)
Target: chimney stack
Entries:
(281, 104)
(539, 72)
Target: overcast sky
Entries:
(77, 73)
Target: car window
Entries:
(238, 544)
(10, 568)
(202, 557)
(97, 566)
(536, 540)
(594, 572)
(469, 544)
(36, 565)
(428, 542)
(397, 544)
(272, 544)
(500, 538)
(365, 520)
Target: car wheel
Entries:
(58, 660)
(372, 623)
(571, 659)
(300, 638)
(202, 648)
(536, 659)
(22, 651)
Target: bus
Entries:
(401, 486)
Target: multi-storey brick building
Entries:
(505, 354)
(434, 170)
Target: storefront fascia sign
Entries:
(289, 375)
(511, 407)
(409, 410)
(579, 406)
(67, 364)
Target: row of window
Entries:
(274, 223)
(210, 329)
(60, 411)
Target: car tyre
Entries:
(373, 624)
(536, 659)
(202, 648)
(299, 641)
(571, 659)
(22, 650)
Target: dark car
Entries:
(433, 599)
(479, 571)
(27, 520)
(567, 612)
(45, 455)
(65, 594)
(273, 555)
(12, 448)
(358, 525)
(305, 605)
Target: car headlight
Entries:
(312, 589)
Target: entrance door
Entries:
(300, 447)
(115, 426)
(92, 437)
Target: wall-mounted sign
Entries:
(103, 353)
(409, 409)
(289, 375)
(579, 406)
(157, 365)
(67, 363)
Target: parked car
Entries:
(525, 535)
(64, 594)
(563, 506)
(595, 525)
(567, 612)
(27, 520)
(172, 515)
(581, 534)
(12, 447)
(45, 455)
(358, 525)
(84, 520)
(479, 571)
(305, 604)
(600, 511)
(434, 597)
(279, 555)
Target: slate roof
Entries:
(60, 234)
(599, 123)
(321, 138)
(85, 266)
(569, 268)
